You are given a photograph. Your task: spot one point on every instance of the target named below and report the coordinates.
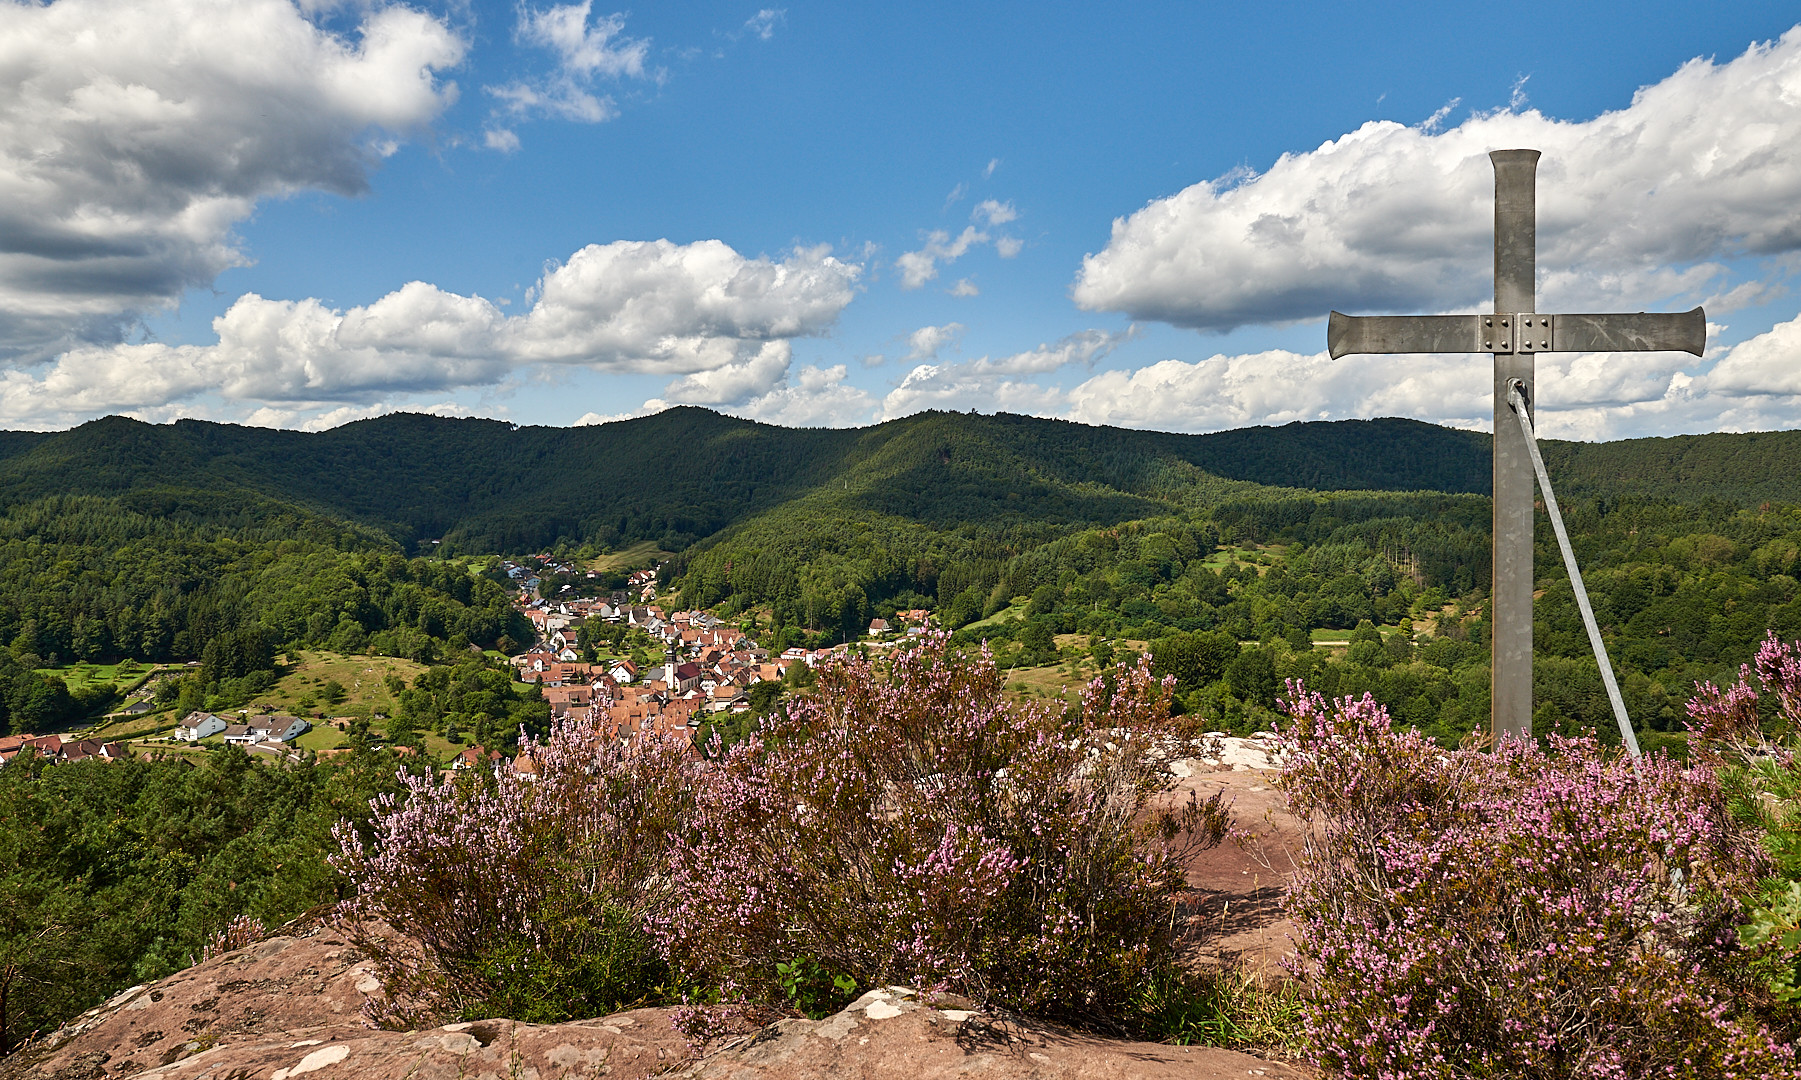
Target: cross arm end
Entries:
(1644, 331)
(1347, 334)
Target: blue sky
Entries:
(865, 210)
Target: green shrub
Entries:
(1220, 1006)
(812, 990)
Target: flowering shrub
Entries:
(1517, 912)
(1737, 723)
(242, 931)
(526, 897)
(910, 826)
(1748, 731)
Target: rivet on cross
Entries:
(1514, 333)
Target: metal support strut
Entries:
(1516, 400)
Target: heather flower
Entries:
(1727, 724)
(1520, 912)
(241, 932)
(906, 824)
(1747, 731)
(518, 895)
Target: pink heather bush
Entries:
(909, 826)
(1748, 730)
(1518, 912)
(241, 932)
(526, 895)
(1728, 725)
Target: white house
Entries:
(288, 728)
(199, 725)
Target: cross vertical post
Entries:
(1510, 597)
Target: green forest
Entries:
(114, 873)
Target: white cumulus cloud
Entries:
(657, 306)
(502, 139)
(583, 52)
(994, 212)
(1768, 364)
(716, 321)
(812, 397)
(924, 343)
(135, 134)
(999, 382)
(919, 267)
(735, 382)
(1636, 206)
(764, 22)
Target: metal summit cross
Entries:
(1514, 333)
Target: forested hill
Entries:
(688, 473)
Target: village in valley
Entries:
(708, 667)
(618, 660)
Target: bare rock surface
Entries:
(275, 986)
(290, 1007)
(890, 1035)
(1237, 887)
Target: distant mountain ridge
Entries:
(688, 473)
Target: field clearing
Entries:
(83, 675)
(191, 751)
(640, 556)
(1051, 681)
(1010, 613)
(323, 736)
(1066, 678)
(300, 688)
(1260, 556)
(123, 678)
(326, 736)
(133, 727)
(1342, 638)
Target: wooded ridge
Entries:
(687, 473)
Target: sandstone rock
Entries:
(289, 1008)
(887, 1035)
(1236, 889)
(279, 985)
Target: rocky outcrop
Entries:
(291, 1007)
(249, 1016)
(1236, 888)
(891, 1035)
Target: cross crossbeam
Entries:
(1514, 333)
(1517, 332)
